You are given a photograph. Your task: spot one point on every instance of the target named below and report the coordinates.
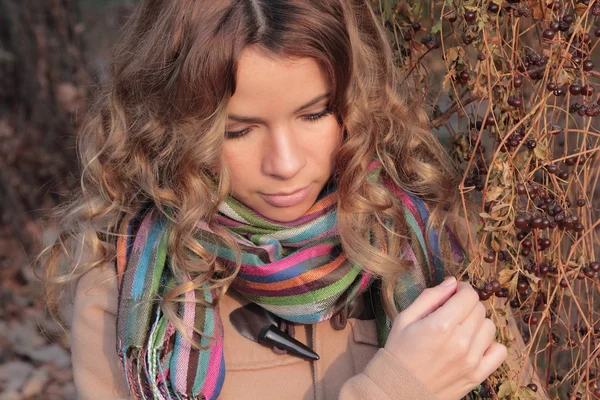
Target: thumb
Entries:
(428, 301)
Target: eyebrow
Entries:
(244, 119)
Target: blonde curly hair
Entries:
(157, 134)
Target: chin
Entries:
(285, 214)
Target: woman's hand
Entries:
(446, 341)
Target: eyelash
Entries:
(309, 118)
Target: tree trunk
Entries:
(43, 84)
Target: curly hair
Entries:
(156, 134)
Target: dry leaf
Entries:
(505, 275)
(493, 193)
(507, 388)
(541, 151)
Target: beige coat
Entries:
(351, 366)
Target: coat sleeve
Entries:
(384, 378)
(97, 371)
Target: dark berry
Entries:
(426, 39)
(488, 288)
(567, 18)
(531, 144)
(537, 222)
(416, 26)
(595, 266)
(551, 86)
(521, 222)
(517, 82)
(564, 175)
(490, 257)
(554, 26)
(515, 101)
(532, 386)
(588, 65)
(483, 295)
(493, 8)
(522, 286)
(561, 91)
(495, 286)
(563, 283)
(470, 16)
(580, 202)
(587, 90)
(548, 34)
(575, 89)
(563, 26)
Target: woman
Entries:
(254, 161)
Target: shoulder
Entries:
(95, 289)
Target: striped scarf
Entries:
(296, 270)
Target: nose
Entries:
(283, 157)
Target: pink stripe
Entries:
(142, 236)
(287, 262)
(225, 221)
(366, 278)
(373, 165)
(214, 366)
(407, 201)
(189, 314)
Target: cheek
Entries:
(239, 164)
(330, 141)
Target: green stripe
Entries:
(414, 226)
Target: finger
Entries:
(493, 357)
(428, 301)
(482, 339)
(457, 308)
(470, 328)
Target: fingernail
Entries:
(448, 281)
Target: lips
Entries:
(289, 199)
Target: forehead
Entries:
(264, 78)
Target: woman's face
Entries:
(281, 135)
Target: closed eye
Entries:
(317, 116)
(308, 117)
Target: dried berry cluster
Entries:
(519, 99)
